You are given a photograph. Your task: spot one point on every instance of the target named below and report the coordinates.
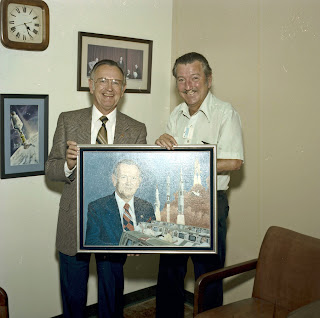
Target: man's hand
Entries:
(166, 141)
(71, 154)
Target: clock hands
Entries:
(24, 23)
(20, 24)
(28, 29)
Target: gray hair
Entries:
(124, 162)
(110, 63)
(189, 58)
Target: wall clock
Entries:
(25, 24)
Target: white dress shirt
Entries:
(121, 204)
(216, 122)
(95, 126)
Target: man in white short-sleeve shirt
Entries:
(200, 119)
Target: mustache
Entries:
(186, 91)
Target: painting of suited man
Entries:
(170, 194)
(109, 216)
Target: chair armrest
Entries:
(205, 279)
(3, 304)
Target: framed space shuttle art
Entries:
(146, 199)
(24, 135)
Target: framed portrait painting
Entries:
(24, 135)
(134, 57)
(146, 199)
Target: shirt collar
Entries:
(96, 114)
(204, 108)
(121, 203)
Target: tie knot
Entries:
(126, 206)
(104, 119)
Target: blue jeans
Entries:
(74, 274)
(173, 269)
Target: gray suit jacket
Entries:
(76, 126)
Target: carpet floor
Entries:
(147, 309)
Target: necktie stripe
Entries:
(102, 137)
(128, 215)
(127, 219)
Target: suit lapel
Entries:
(114, 216)
(121, 131)
(139, 210)
(84, 126)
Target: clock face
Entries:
(25, 23)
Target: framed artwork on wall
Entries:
(146, 199)
(24, 135)
(134, 56)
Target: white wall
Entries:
(29, 209)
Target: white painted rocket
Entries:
(180, 217)
(157, 206)
(168, 199)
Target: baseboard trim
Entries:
(139, 296)
(136, 297)
(148, 293)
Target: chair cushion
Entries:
(247, 308)
(311, 310)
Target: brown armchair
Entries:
(287, 278)
(3, 304)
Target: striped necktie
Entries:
(102, 137)
(127, 219)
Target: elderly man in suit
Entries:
(121, 211)
(107, 85)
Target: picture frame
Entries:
(133, 55)
(24, 134)
(173, 209)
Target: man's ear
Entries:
(123, 89)
(209, 81)
(91, 84)
(114, 180)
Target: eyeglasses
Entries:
(103, 82)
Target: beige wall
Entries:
(265, 59)
(29, 206)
